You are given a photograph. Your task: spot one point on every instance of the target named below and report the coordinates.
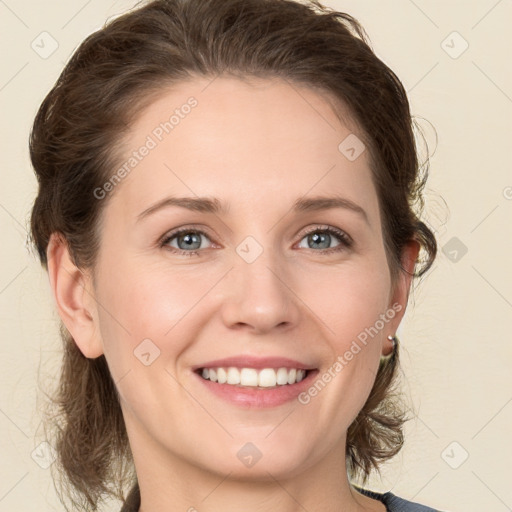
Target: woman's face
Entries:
(256, 278)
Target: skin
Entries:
(258, 147)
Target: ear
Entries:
(400, 291)
(74, 297)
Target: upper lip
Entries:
(246, 361)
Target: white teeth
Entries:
(292, 375)
(266, 377)
(222, 376)
(282, 376)
(249, 377)
(233, 376)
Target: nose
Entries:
(259, 295)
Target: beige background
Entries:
(456, 346)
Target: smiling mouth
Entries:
(264, 378)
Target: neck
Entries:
(169, 483)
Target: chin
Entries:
(248, 462)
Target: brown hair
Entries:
(74, 146)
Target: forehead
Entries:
(240, 140)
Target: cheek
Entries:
(347, 305)
(348, 299)
(145, 302)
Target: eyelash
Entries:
(344, 239)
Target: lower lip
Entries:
(259, 397)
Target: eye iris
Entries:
(189, 237)
(192, 239)
(316, 238)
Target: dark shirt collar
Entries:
(392, 502)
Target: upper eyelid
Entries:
(183, 229)
(170, 235)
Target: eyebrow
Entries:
(215, 206)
